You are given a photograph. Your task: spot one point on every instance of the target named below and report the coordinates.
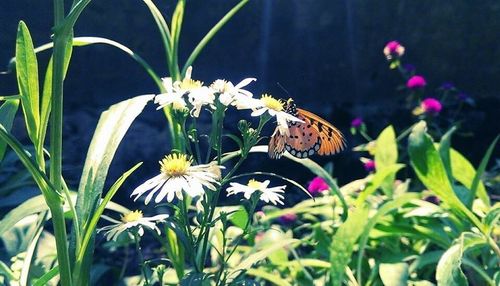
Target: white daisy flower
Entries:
(177, 175)
(273, 107)
(176, 93)
(231, 94)
(134, 219)
(267, 195)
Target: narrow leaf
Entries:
(27, 80)
(482, 167)
(8, 111)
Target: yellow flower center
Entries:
(175, 165)
(254, 184)
(132, 216)
(272, 103)
(190, 84)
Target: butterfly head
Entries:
(290, 107)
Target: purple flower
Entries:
(317, 186)
(393, 49)
(369, 165)
(431, 106)
(288, 218)
(432, 199)
(416, 82)
(409, 68)
(357, 122)
(447, 86)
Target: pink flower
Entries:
(393, 49)
(431, 106)
(356, 122)
(288, 218)
(317, 186)
(416, 82)
(369, 165)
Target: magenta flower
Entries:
(356, 122)
(416, 82)
(369, 165)
(317, 186)
(431, 106)
(393, 49)
(288, 218)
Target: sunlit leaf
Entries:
(394, 274)
(110, 130)
(273, 278)
(482, 167)
(464, 172)
(343, 242)
(430, 170)
(444, 150)
(382, 211)
(377, 180)
(448, 271)
(386, 154)
(27, 80)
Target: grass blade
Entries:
(8, 111)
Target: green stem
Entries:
(212, 33)
(59, 226)
(137, 240)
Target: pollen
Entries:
(272, 103)
(175, 165)
(189, 84)
(254, 184)
(132, 216)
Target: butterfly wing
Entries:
(332, 140)
(304, 140)
(276, 146)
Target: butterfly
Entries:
(313, 135)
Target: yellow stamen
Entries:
(254, 184)
(175, 165)
(132, 216)
(189, 84)
(272, 103)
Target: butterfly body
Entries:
(312, 136)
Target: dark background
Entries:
(326, 53)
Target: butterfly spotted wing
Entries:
(313, 135)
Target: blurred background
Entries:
(327, 54)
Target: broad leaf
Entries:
(110, 130)
(386, 154)
(343, 243)
(382, 175)
(448, 271)
(430, 170)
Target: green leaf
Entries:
(482, 167)
(386, 154)
(464, 172)
(343, 243)
(208, 37)
(394, 274)
(378, 179)
(491, 218)
(110, 130)
(162, 26)
(7, 113)
(271, 277)
(27, 80)
(448, 271)
(239, 218)
(39, 177)
(430, 170)
(247, 262)
(381, 212)
(444, 150)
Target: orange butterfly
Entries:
(315, 135)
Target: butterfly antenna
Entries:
(283, 88)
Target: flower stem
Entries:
(137, 240)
